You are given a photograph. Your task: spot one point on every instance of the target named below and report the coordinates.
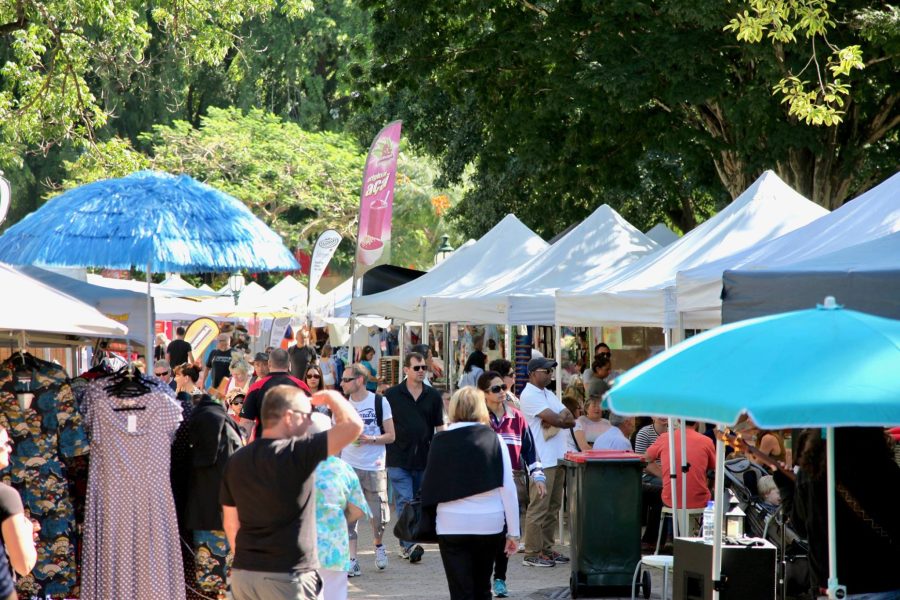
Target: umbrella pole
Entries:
(685, 466)
(673, 477)
(557, 350)
(833, 587)
(719, 499)
(149, 348)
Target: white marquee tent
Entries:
(871, 215)
(643, 292)
(662, 235)
(602, 243)
(506, 246)
(33, 306)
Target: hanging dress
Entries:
(131, 546)
(44, 435)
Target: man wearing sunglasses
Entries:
(418, 412)
(163, 370)
(367, 457)
(546, 415)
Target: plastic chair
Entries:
(657, 561)
(695, 517)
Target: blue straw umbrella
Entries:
(784, 371)
(147, 220)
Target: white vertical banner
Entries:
(322, 253)
(5, 197)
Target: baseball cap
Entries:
(540, 362)
(261, 357)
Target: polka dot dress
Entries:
(131, 547)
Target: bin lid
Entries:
(595, 455)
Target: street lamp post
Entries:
(236, 285)
(444, 250)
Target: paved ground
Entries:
(426, 579)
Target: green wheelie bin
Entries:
(603, 489)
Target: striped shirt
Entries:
(514, 431)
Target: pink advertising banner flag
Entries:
(373, 244)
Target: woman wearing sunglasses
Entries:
(510, 424)
(314, 379)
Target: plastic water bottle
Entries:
(709, 526)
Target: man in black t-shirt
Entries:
(219, 360)
(179, 351)
(418, 412)
(279, 362)
(302, 354)
(268, 495)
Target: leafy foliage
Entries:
(61, 58)
(559, 107)
(779, 21)
(300, 183)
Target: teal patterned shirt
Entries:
(336, 486)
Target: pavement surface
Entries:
(426, 579)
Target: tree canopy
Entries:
(299, 182)
(561, 106)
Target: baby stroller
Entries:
(741, 476)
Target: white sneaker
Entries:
(403, 553)
(354, 571)
(381, 558)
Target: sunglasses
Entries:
(313, 376)
(606, 354)
(161, 373)
(498, 388)
(419, 368)
(348, 379)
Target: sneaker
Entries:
(403, 553)
(354, 571)
(538, 561)
(381, 558)
(500, 590)
(558, 558)
(521, 548)
(415, 553)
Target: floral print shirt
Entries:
(336, 486)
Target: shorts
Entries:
(374, 485)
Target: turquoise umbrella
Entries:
(823, 367)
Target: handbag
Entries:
(417, 523)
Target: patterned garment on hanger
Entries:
(45, 434)
(131, 545)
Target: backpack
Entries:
(379, 412)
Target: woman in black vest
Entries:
(469, 479)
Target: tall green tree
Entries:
(299, 182)
(560, 106)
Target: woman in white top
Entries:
(329, 370)
(591, 425)
(469, 479)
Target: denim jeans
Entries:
(405, 484)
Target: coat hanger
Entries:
(128, 383)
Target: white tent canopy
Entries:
(604, 242)
(157, 290)
(506, 246)
(33, 306)
(662, 235)
(871, 215)
(123, 306)
(643, 292)
(288, 292)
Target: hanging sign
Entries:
(373, 240)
